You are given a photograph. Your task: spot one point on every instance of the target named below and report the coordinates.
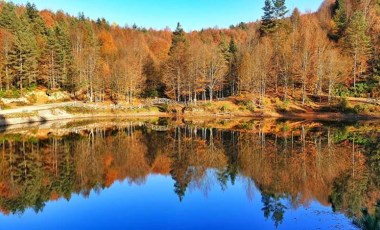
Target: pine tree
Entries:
(358, 43)
(24, 55)
(224, 49)
(8, 18)
(51, 61)
(340, 18)
(177, 63)
(280, 9)
(178, 38)
(268, 20)
(91, 61)
(9, 22)
(233, 77)
(274, 11)
(40, 32)
(233, 47)
(65, 56)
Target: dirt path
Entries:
(32, 108)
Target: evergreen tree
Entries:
(233, 47)
(224, 49)
(65, 56)
(8, 18)
(177, 38)
(50, 61)
(40, 32)
(369, 221)
(233, 65)
(24, 55)
(358, 43)
(177, 63)
(58, 59)
(280, 9)
(340, 18)
(268, 20)
(9, 22)
(274, 11)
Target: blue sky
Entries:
(157, 14)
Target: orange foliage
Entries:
(108, 159)
(54, 196)
(162, 165)
(4, 190)
(111, 176)
(47, 16)
(108, 47)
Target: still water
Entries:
(161, 174)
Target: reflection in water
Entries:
(290, 163)
(369, 221)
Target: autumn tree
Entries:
(279, 56)
(132, 69)
(108, 53)
(216, 69)
(254, 69)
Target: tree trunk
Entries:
(178, 85)
(355, 69)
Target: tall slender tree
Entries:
(268, 20)
(280, 9)
(177, 62)
(358, 43)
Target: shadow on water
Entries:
(5, 125)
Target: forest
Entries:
(290, 55)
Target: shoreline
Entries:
(58, 115)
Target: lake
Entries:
(177, 174)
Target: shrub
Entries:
(341, 91)
(362, 108)
(362, 88)
(224, 108)
(10, 93)
(247, 105)
(282, 106)
(344, 107)
(164, 108)
(150, 94)
(245, 126)
(208, 104)
(32, 98)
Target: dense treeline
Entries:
(334, 51)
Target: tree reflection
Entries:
(272, 207)
(294, 162)
(369, 221)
